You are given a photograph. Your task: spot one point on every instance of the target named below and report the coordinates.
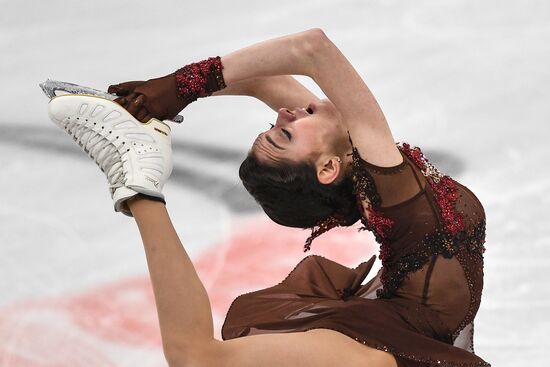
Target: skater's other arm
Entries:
(275, 91)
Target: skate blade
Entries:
(56, 88)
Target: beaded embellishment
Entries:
(443, 186)
(364, 184)
(200, 79)
(446, 241)
(440, 243)
(323, 226)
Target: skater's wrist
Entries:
(199, 79)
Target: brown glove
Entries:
(156, 98)
(163, 98)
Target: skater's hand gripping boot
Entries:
(155, 98)
(163, 98)
(135, 157)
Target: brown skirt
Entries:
(321, 293)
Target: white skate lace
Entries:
(104, 152)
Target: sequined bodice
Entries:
(431, 231)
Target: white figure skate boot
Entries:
(135, 157)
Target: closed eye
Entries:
(288, 135)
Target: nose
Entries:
(286, 114)
(284, 117)
(300, 112)
(291, 115)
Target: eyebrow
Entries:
(272, 142)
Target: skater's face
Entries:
(299, 135)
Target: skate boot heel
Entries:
(153, 153)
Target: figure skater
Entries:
(328, 163)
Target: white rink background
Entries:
(465, 80)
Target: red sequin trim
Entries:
(200, 79)
(379, 223)
(381, 227)
(444, 187)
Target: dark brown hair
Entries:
(291, 195)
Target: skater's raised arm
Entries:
(166, 96)
(287, 55)
(275, 91)
(360, 111)
(313, 54)
(310, 53)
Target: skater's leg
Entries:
(183, 306)
(186, 319)
(313, 348)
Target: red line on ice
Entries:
(123, 312)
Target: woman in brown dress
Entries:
(328, 163)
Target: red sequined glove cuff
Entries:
(199, 79)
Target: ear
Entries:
(328, 171)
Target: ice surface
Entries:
(465, 80)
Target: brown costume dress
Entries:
(421, 305)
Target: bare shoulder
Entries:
(361, 113)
